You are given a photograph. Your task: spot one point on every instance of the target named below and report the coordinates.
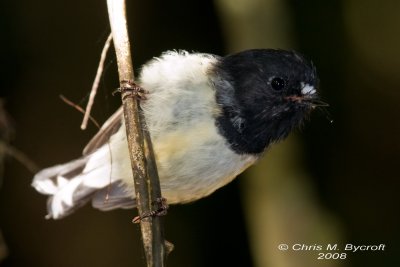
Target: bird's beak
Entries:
(307, 99)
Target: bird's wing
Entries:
(109, 128)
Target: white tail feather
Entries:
(73, 184)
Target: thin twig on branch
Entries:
(19, 156)
(79, 108)
(96, 82)
(147, 188)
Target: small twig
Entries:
(19, 156)
(78, 108)
(142, 159)
(96, 82)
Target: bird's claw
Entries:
(131, 89)
(161, 209)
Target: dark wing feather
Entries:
(109, 128)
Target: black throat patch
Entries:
(256, 112)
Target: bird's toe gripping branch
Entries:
(161, 209)
(131, 89)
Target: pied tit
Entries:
(209, 118)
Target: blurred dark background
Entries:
(328, 183)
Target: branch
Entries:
(96, 82)
(19, 156)
(80, 109)
(147, 188)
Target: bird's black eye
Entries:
(277, 83)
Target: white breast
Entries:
(193, 159)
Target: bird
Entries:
(209, 118)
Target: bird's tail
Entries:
(73, 184)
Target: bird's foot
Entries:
(131, 89)
(161, 209)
